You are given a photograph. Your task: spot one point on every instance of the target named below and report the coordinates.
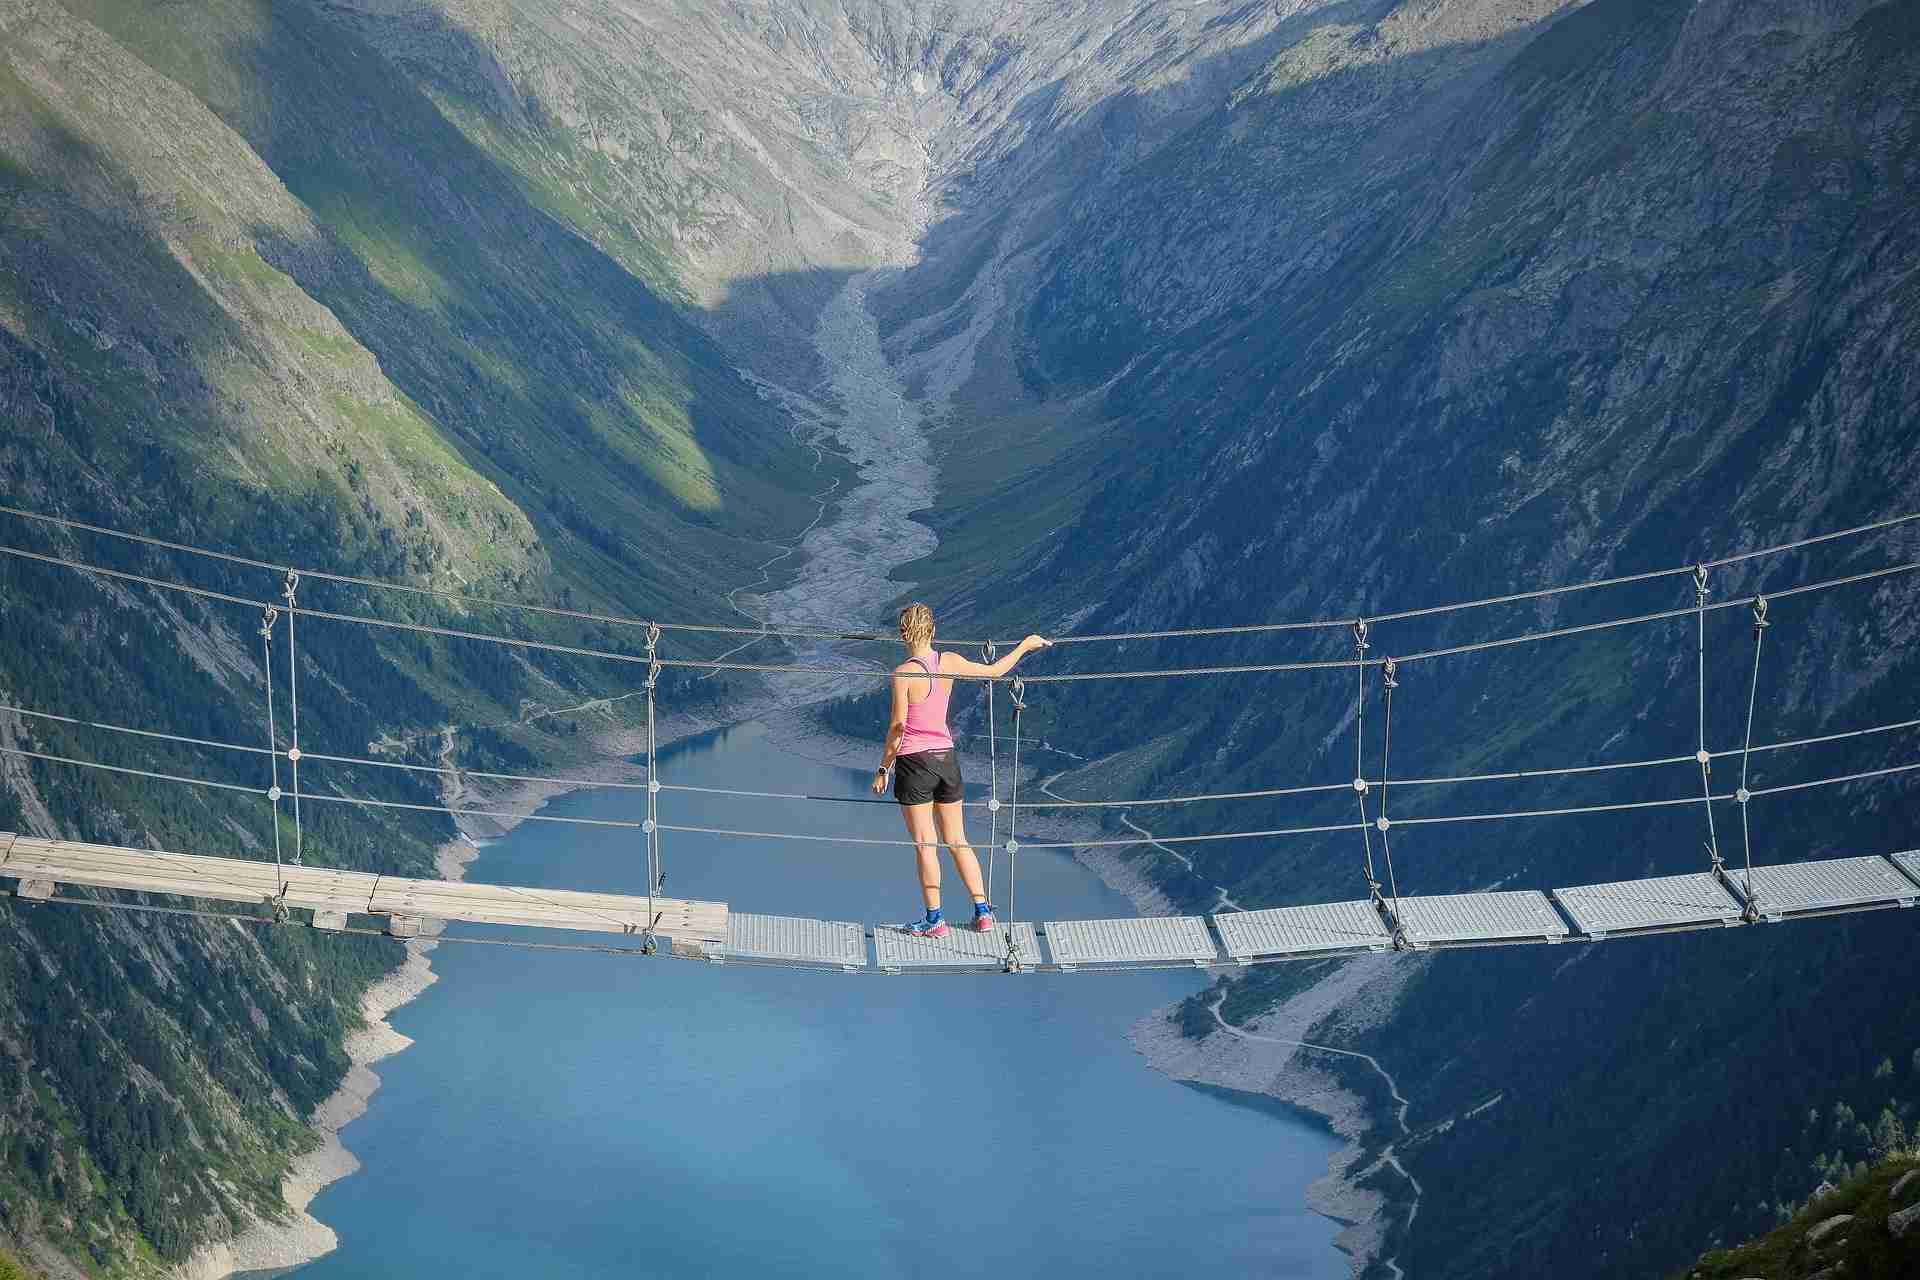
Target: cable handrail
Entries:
(858, 634)
(455, 771)
(1328, 664)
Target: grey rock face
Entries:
(1900, 1223)
(1827, 1231)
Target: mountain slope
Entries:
(1441, 305)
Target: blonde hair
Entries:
(916, 624)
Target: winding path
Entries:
(1387, 1157)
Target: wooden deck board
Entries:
(327, 889)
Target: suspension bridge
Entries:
(1720, 894)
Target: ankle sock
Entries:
(933, 915)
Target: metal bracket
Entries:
(35, 890)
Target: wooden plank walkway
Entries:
(41, 865)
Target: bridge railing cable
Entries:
(855, 633)
(880, 673)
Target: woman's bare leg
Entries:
(919, 818)
(953, 829)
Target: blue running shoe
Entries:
(925, 928)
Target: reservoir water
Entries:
(567, 1116)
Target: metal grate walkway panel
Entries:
(1287, 931)
(1642, 906)
(896, 949)
(1808, 888)
(795, 940)
(1909, 862)
(1455, 918)
(1145, 940)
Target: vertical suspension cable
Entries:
(1702, 755)
(1018, 691)
(650, 828)
(1360, 647)
(273, 741)
(1744, 796)
(993, 778)
(293, 690)
(1389, 683)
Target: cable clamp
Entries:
(653, 636)
(1360, 785)
(279, 904)
(653, 675)
(993, 806)
(989, 651)
(653, 786)
(1019, 691)
(293, 754)
(1743, 795)
(1361, 629)
(293, 586)
(267, 619)
(1388, 672)
(1700, 583)
(1383, 822)
(649, 826)
(1760, 622)
(1705, 758)
(274, 793)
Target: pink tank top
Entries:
(927, 719)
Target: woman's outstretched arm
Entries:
(956, 665)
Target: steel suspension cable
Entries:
(1388, 685)
(1704, 756)
(267, 620)
(1018, 692)
(1360, 647)
(1742, 796)
(859, 634)
(989, 652)
(293, 692)
(878, 673)
(651, 828)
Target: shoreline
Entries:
(1366, 989)
(269, 1245)
(275, 1245)
(1252, 1067)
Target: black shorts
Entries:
(927, 776)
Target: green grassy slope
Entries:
(263, 289)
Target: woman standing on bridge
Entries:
(926, 768)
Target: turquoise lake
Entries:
(566, 1116)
